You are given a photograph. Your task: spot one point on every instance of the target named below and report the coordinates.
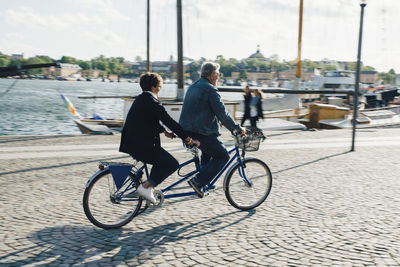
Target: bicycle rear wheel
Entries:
(105, 207)
(248, 187)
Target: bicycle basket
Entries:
(251, 141)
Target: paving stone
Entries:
(327, 207)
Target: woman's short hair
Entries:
(209, 68)
(149, 80)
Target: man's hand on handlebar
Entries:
(241, 132)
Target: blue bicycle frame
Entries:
(198, 168)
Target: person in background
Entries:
(256, 110)
(202, 111)
(247, 98)
(140, 136)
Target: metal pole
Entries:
(298, 66)
(148, 37)
(180, 71)
(297, 79)
(356, 87)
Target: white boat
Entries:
(339, 79)
(98, 125)
(89, 128)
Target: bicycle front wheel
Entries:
(107, 207)
(247, 187)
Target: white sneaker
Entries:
(147, 193)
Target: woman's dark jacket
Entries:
(141, 132)
(247, 98)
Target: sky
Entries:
(85, 29)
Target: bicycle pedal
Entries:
(160, 199)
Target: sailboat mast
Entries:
(180, 72)
(298, 66)
(148, 37)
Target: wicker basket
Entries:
(251, 141)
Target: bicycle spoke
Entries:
(248, 194)
(105, 207)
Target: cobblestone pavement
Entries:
(327, 207)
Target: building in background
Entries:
(369, 77)
(62, 70)
(17, 56)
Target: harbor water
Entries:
(34, 107)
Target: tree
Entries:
(4, 60)
(85, 65)
(194, 70)
(67, 59)
(243, 74)
(226, 66)
(329, 67)
(253, 64)
(367, 68)
(389, 77)
(309, 65)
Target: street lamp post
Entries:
(148, 37)
(363, 3)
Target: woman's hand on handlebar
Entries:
(191, 142)
(195, 143)
(169, 134)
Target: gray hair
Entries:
(209, 68)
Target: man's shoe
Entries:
(196, 188)
(147, 193)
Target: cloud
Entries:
(31, 19)
(12, 36)
(25, 17)
(106, 10)
(104, 36)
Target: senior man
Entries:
(201, 113)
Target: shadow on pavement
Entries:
(60, 165)
(311, 162)
(95, 246)
(6, 139)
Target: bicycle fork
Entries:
(242, 172)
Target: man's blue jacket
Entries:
(203, 109)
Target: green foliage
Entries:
(194, 70)
(367, 68)
(117, 65)
(4, 60)
(329, 67)
(138, 59)
(67, 59)
(309, 65)
(227, 66)
(85, 65)
(388, 77)
(243, 74)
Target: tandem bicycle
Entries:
(110, 200)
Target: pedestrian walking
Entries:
(256, 110)
(247, 98)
